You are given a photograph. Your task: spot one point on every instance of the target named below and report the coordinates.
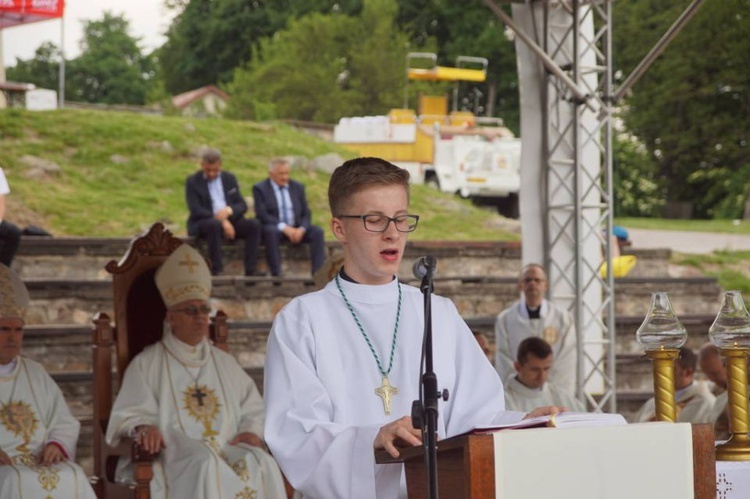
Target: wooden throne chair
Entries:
(138, 321)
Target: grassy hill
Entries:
(120, 172)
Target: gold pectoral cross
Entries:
(385, 392)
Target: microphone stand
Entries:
(427, 415)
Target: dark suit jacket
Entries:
(199, 200)
(267, 209)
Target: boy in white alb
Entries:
(342, 365)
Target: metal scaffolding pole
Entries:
(570, 134)
(574, 48)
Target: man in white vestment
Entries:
(38, 434)
(533, 315)
(694, 399)
(529, 387)
(192, 402)
(343, 363)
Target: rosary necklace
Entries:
(386, 390)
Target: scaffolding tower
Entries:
(564, 52)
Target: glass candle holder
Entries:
(662, 334)
(661, 329)
(731, 333)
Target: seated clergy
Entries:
(529, 388)
(192, 402)
(694, 399)
(38, 433)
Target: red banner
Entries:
(15, 12)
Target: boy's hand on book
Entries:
(548, 410)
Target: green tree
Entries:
(42, 70)
(111, 68)
(692, 108)
(323, 67)
(209, 39)
(298, 73)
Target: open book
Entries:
(562, 420)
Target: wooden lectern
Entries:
(466, 466)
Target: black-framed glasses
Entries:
(192, 311)
(380, 223)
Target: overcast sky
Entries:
(148, 21)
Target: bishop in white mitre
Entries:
(193, 403)
(38, 434)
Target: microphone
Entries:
(424, 266)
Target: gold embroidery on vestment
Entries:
(240, 467)
(49, 477)
(550, 335)
(246, 493)
(20, 420)
(202, 405)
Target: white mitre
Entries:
(183, 276)
(14, 297)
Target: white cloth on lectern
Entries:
(695, 404)
(732, 479)
(198, 461)
(555, 326)
(519, 397)
(320, 377)
(37, 414)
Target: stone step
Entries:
(86, 257)
(60, 301)
(81, 258)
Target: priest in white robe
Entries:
(38, 434)
(695, 402)
(343, 363)
(193, 403)
(529, 388)
(534, 315)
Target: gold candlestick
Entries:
(731, 333)
(662, 334)
(666, 408)
(737, 448)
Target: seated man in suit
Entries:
(281, 207)
(694, 399)
(217, 211)
(38, 434)
(192, 402)
(529, 388)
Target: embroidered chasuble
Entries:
(200, 398)
(555, 326)
(519, 397)
(320, 379)
(695, 404)
(33, 412)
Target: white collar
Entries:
(9, 368)
(191, 356)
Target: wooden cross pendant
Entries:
(385, 392)
(199, 395)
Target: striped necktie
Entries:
(283, 214)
